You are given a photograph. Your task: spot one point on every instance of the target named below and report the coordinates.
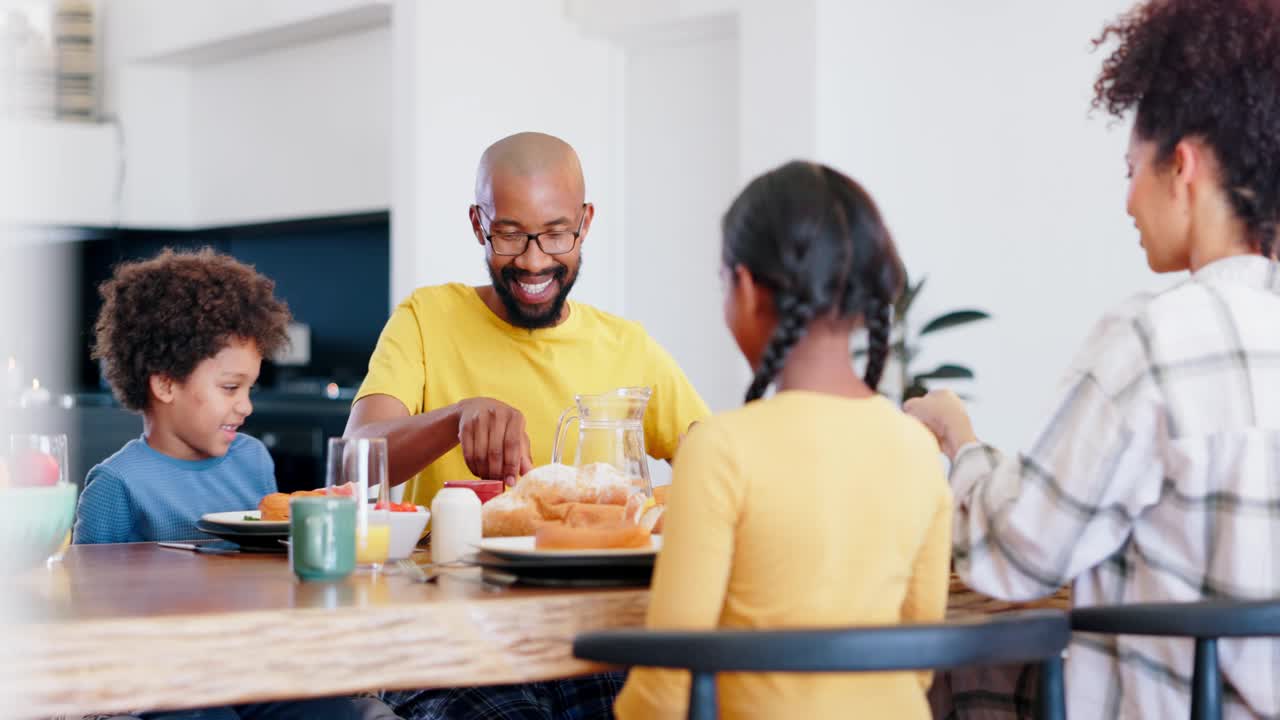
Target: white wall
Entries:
(152, 30)
(238, 110)
(716, 91)
(468, 74)
(778, 102)
(968, 124)
(681, 159)
(300, 131)
(57, 174)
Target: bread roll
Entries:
(660, 494)
(584, 515)
(550, 485)
(509, 515)
(597, 498)
(555, 536)
(274, 507)
(598, 483)
(602, 483)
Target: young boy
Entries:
(182, 337)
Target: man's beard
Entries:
(523, 316)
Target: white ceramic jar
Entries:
(455, 524)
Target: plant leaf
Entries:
(914, 390)
(945, 372)
(953, 318)
(908, 296)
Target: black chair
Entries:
(1031, 636)
(1204, 621)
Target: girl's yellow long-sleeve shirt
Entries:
(804, 510)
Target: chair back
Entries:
(1205, 621)
(1033, 636)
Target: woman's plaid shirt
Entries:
(1157, 478)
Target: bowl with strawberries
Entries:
(407, 524)
(37, 508)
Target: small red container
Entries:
(486, 490)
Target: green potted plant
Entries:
(904, 346)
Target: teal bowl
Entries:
(34, 522)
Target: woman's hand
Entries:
(942, 411)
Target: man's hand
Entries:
(943, 412)
(493, 439)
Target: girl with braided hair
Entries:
(822, 505)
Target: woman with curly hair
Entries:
(1156, 477)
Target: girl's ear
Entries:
(749, 313)
(754, 299)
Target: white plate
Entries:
(236, 519)
(523, 547)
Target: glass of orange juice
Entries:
(357, 467)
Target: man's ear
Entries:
(474, 213)
(588, 214)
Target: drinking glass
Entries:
(357, 467)
(40, 460)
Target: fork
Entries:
(491, 580)
(415, 571)
(420, 572)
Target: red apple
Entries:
(35, 469)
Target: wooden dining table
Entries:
(114, 628)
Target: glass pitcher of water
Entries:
(611, 431)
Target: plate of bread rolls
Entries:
(559, 511)
(245, 521)
(272, 514)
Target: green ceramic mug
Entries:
(322, 537)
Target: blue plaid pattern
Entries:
(585, 698)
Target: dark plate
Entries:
(571, 572)
(239, 530)
(583, 582)
(248, 542)
(571, 562)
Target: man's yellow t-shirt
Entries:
(443, 344)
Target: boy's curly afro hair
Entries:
(165, 315)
